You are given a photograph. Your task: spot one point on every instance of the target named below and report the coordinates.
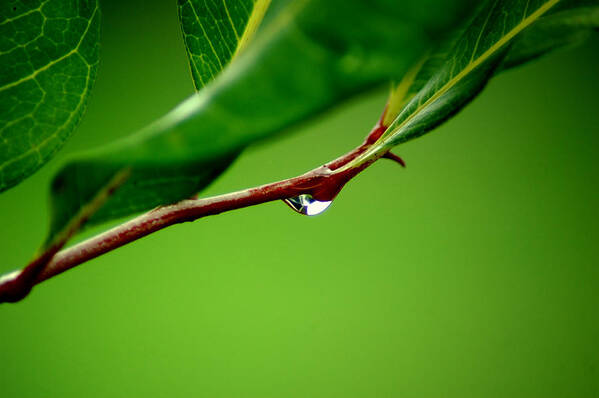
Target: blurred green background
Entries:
(473, 272)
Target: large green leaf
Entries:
(308, 57)
(48, 62)
(504, 33)
(215, 33)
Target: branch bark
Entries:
(323, 183)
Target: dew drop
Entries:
(307, 205)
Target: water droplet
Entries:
(307, 205)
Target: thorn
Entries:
(395, 158)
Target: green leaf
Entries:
(217, 31)
(214, 33)
(48, 62)
(311, 55)
(503, 34)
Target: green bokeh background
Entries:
(473, 272)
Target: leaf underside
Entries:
(48, 62)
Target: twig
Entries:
(323, 183)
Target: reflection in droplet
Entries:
(307, 205)
(10, 276)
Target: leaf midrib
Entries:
(473, 64)
(256, 17)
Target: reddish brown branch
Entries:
(323, 183)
